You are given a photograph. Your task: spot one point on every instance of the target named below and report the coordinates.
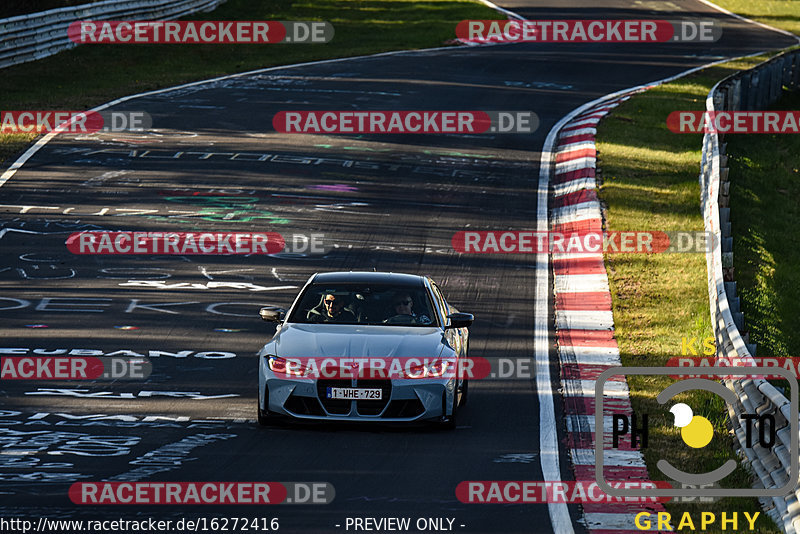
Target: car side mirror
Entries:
(273, 315)
(459, 320)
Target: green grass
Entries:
(765, 212)
(783, 14)
(89, 75)
(650, 183)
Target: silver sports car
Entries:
(365, 346)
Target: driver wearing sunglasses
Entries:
(402, 311)
(333, 309)
(403, 305)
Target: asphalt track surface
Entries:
(390, 202)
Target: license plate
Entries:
(355, 393)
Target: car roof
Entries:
(368, 277)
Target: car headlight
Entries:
(435, 369)
(286, 366)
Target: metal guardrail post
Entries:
(38, 35)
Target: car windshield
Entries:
(375, 304)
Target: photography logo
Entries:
(761, 431)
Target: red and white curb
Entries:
(585, 325)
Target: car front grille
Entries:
(363, 407)
(374, 407)
(334, 406)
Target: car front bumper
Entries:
(403, 399)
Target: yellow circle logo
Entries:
(696, 430)
(698, 433)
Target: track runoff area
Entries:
(141, 239)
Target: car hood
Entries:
(303, 340)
